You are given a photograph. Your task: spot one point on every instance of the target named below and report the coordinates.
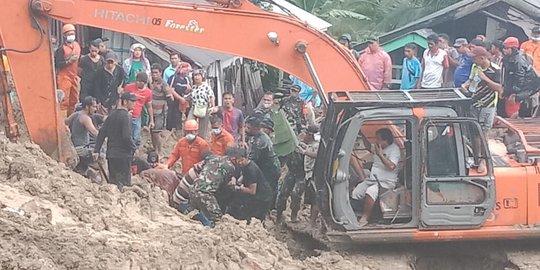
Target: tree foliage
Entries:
(362, 18)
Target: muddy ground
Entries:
(52, 218)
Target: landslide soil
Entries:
(52, 218)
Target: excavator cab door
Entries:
(457, 188)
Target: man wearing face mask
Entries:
(66, 61)
(221, 139)
(264, 110)
(190, 148)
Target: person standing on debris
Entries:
(89, 65)
(411, 68)
(261, 151)
(189, 148)
(308, 148)
(179, 86)
(66, 60)
(82, 127)
(434, 63)
(214, 175)
(233, 118)
(120, 145)
(485, 86)
(463, 70)
(377, 65)
(108, 82)
(144, 96)
(294, 107)
(136, 63)
(173, 67)
(253, 194)
(531, 48)
(159, 106)
(203, 101)
(220, 139)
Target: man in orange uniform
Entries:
(221, 138)
(531, 47)
(190, 148)
(66, 61)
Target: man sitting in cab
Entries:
(386, 156)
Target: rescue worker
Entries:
(531, 48)
(309, 148)
(66, 60)
(202, 196)
(261, 151)
(294, 180)
(189, 148)
(82, 127)
(120, 144)
(253, 194)
(293, 107)
(267, 126)
(264, 110)
(221, 139)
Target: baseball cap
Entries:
(372, 39)
(295, 88)
(479, 51)
(128, 96)
(312, 129)
(111, 56)
(460, 42)
(536, 30)
(511, 42)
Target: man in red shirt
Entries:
(66, 61)
(144, 98)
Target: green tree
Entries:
(363, 18)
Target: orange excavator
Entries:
(440, 195)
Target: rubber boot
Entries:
(205, 221)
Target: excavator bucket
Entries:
(33, 87)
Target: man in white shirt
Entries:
(385, 169)
(434, 63)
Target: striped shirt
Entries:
(484, 96)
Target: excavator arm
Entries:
(235, 27)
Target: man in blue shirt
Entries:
(463, 70)
(412, 68)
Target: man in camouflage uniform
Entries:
(261, 151)
(294, 184)
(216, 173)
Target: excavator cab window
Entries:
(458, 183)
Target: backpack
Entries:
(527, 81)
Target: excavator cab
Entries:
(439, 183)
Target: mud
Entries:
(52, 218)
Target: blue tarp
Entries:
(306, 92)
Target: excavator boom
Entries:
(234, 27)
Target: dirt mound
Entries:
(52, 218)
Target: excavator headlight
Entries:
(273, 37)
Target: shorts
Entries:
(159, 122)
(370, 188)
(366, 187)
(485, 116)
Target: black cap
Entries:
(536, 29)
(128, 96)
(296, 88)
(372, 39)
(312, 129)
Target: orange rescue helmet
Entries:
(67, 28)
(191, 125)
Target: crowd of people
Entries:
(224, 162)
